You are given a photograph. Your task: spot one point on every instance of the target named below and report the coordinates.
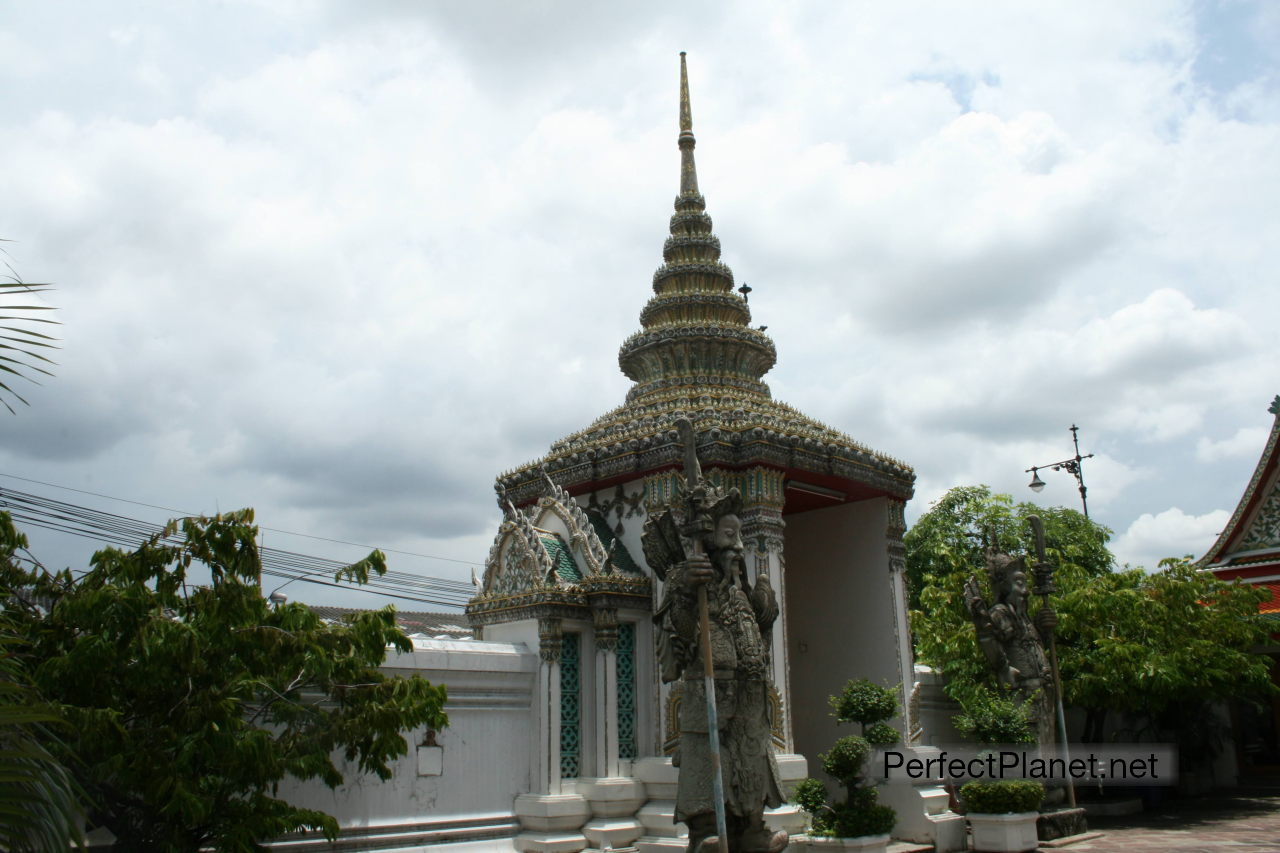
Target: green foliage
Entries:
(40, 803)
(1008, 796)
(864, 702)
(867, 819)
(1129, 641)
(846, 759)
(860, 814)
(949, 539)
(946, 546)
(990, 717)
(811, 795)
(188, 705)
(882, 734)
(1149, 644)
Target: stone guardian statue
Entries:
(701, 548)
(1013, 644)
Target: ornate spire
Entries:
(688, 170)
(698, 357)
(696, 330)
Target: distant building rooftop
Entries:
(451, 626)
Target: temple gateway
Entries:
(561, 730)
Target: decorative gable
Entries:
(554, 557)
(561, 558)
(1264, 531)
(1252, 535)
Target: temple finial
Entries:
(686, 114)
(688, 171)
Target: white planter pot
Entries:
(1004, 833)
(862, 844)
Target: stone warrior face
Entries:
(1018, 588)
(727, 537)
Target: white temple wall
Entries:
(462, 792)
(523, 632)
(845, 616)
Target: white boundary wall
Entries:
(456, 796)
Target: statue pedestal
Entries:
(789, 817)
(1061, 823)
(551, 823)
(923, 809)
(663, 835)
(657, 816)
(861, 844)
(614, 801)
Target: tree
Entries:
(951, 536)
(187, 705)
(40, 803)
(945, 547)
(1147, 645)
(1161, 648)
(21, 347)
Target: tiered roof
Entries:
(697, 356)
(1249, 546)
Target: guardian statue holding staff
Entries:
(712, 625)
(1013, 644)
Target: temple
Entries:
(561, 732)
(1248, 551)
(823, 518)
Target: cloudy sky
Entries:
(347, 262)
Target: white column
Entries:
(606, 704)
(550, 821)
(611, 712)
(550, 646)
(542, 705)
(764, 527)
(897, 552)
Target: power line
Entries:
(184, 513)
(75, 520)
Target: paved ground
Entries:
(1243, 823)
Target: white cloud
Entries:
(1245, 442)
(1171, 533)
(347, 264)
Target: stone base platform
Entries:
(1061, 823)
(1069, 840)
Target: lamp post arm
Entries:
(1073, 467)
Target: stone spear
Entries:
(1044, 588)
(697, 525)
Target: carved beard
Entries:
(727, 561)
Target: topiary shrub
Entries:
(860, 814)
(867, 817)
(1004, 797)
(846, 759)
(810, 795)
(882, 734)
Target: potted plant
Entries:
(1002, 814)
(859, 822)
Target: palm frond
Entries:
(40, 802)
(15, 348)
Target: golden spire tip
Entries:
(686, 113)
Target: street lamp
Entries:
(1071, 466)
